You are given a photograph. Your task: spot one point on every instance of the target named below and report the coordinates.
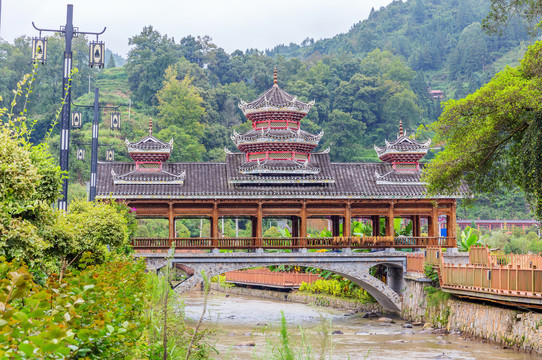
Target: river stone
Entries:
(428, 326)
(361, 333)
(426, 331)
(407, 326)
(440, 331)
(417, 323)
(246, 343)
(337, 332)
(385, 320)
(407, 332)
(369, 314)
(443, 357)
(443, 342)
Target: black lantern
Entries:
(80, 154)
(97, 54)
(115, 121)
(76, 120)
(39, 50)
(109, 155)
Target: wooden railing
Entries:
(479, 255)
(267, 277)
(515, 275)
(416, 263)
(292, 242)
(505, 280)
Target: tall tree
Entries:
(493, 137)
(151, 55)
(180, 104)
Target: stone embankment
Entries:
(506, 326)
(311, 299)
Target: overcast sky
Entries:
(233, 24)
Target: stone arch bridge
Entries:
(352, 265)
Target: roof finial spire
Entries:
(275, 76)
(400, 128)
(150, 125)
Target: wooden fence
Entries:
(516, 275)
(267, 277)
(505, 280)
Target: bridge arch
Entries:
(358, 273)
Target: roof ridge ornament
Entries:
(275, 77)
(400, 128)
(150, 125)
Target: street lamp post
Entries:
(69, 31)
(94, 144)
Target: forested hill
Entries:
(442, 39)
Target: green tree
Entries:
(180, 104)
(493, 138)
(147, 61)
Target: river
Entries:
(244, 320)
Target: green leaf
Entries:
(110, 328)
(83, 334)
(28, 349)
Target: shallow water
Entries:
(248, 319)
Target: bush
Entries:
(339, 288)
(92, 314)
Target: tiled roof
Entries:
(223, 180)
(403, 144)
(134, 176)
(276, 135)
(275, 98)
(149, 142)
(314, 171)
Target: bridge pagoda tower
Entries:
(276, 144)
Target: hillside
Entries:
(442, 39)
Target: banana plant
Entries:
(468, 239)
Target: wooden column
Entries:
(171, 219)
(416, 226)
(375, 220)
(390, 231)
(254, 223)
(452, 227)
(335, 225)
(259, 225)
(347, 220)
(295, 226)
(303, 225)
(433, 221)
(214, 225)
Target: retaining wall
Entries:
(313, 299)
(505, 326)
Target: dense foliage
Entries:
(493, 137)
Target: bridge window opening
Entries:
(279, 227)
(325, 226)
(152, 228)
(193, 227)
(230, 227)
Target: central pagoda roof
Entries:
(275, 99)
(268, 139)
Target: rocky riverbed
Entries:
(247, 329)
